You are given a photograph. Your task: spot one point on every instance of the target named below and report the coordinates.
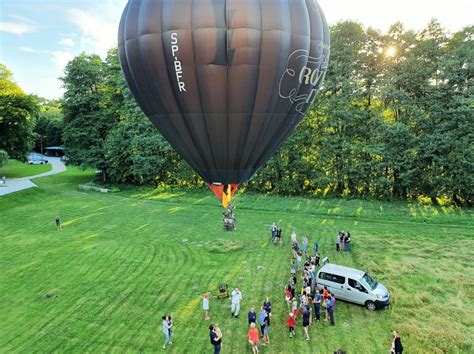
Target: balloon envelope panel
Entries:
(224, 81)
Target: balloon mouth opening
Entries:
(224, 192)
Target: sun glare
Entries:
(390, 51)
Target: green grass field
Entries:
(124, 259)
(16, 169)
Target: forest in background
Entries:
(393, 120)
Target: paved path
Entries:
(18, 184)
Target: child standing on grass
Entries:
(57, 220)
(294, 307)
(167, 330)
(205, 306)
(304, 244)
(290, 321)
(288, 297)
(252, 316)
(253, 339)
(298, 259)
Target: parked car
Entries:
(352, 285)
(36, 159)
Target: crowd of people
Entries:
(305, 301)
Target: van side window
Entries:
(356, 285)
(332, 277)
(338, 279)
(325, 276)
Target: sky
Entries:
(39, 37)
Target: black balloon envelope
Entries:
(224, 81)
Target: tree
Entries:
(48, 126)
(86, 121)
(17, 112)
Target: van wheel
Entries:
(370, 305)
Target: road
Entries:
(18, 184)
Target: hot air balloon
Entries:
(224, 81)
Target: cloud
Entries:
(27, 49)
(68, 42)
(23, 19)
(98, 26)
(62, 57)
(17, 28)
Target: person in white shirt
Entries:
(236, 298)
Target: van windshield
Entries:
(371, 283)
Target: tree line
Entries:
(393, 120)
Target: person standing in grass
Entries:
(304, 244)
(317, 259)
(332, 307)
(294, 307)
(252, 337)
(290, 321)
(327, 304)
(274, 229)
(167, 330)
(288, 296)
(216, 339)
(347, 242)
(262, 319)
(205, 306)
(316, 247)
(57, 220)
(397, 347)
(298, 259)
(252, 316)
(267, 306)
(236, 298)
(317, 305)
(293, 238)
(306, 321)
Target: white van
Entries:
(352, 285)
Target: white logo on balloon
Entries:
(309, 71)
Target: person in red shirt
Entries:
(291, 324)
(325, 293)
(252, 337)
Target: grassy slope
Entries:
(125, 259)
(16, 169)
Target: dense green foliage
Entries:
(125, 259)
(17, 112)
(48, 127)
(17, 169)
(394, 120)
(87, 121)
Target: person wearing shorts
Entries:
(252, 337)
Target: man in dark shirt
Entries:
(317, 305)
(306, 321)
(252, 316)
(215, 338)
